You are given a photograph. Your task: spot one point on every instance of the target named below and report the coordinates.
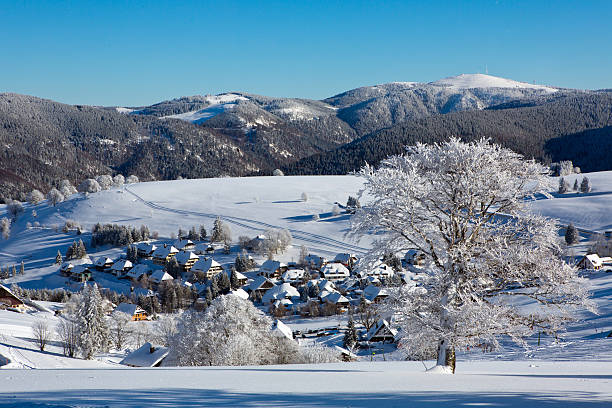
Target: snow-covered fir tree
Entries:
(446, 200)
(93, 331)
(563, 186)
(585, 185)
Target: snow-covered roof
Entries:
(121, 264)
(335, 270)
(103, 260)
(282, 330)
(79, 269)
(160, 275)
(349, 353)
(201, 247)
(137, 271)
(292, 275)
(185, 256)
(344, 258)
(163, 252)
(258, 282)
(146, 247)
(183, 243)
(148, 355)
(128, 308)
(316, 260)
(143, 292)
(379, 269)
(382, 323)
(204, 264)
(335, 298)
(281, 291)
(371, 292)
(271, 266)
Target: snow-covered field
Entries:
(378, 384)
(574, 372)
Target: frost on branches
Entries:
(493, 267)
(93, 332)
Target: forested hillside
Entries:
(574, 127)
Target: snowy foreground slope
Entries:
(382, 384)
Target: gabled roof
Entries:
(121, 265)
(371, 292)
(281, 291)
(282, 330)
(146, 247)
(137, 271)
(103, 260)
(204, 264)
(344, 258)
(336, 269)
(182, 243)
(271, 266)
(335, 298)
(128, 308)
(79, 269)
(185, 256)
(148, 355)
(160, 275)
(163, 252)
(258, 282)
(380, 325)
(240, 293)
(6, 292)
(293, 274)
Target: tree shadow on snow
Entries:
(193, 397)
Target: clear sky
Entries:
(139, 52)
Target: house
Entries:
(65, 268)
(186, 259)
(159, 276)
(414, 257)
(10, 301)
(132, 310)
(374, 293)
(103, 263)
(379, 270)
(348, 260)
(255, 244)
(145, 249)
(80, 273)
(259, 285)
(272, 269)
(293, 276)
(121, 267)
(137, 271)
(240, 278)
(381, 332)
(282, 291)
(184, 244)
(335, 298)
(315, 261)
(594, 261)
(200, 248)
(162, 255)
(147, 355)
(208, 266)
(280, 329)
(335, 272)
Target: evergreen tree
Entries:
(93, 332)
(571, 235)
(214, 287)
(585, 186)
(234, 279)
(350, 337)
(58, 258)
(208, 295)
(575, 185)
(81, 252)
(223, 282)
(563, 186)
(22, 269)
(202, 233)
(181, 233)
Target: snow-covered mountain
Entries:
(471, 81)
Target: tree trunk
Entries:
(446, 355)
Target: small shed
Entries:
(147, 355)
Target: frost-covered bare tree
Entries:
(132, 179)
(5, 227)
(42, 333)
(89, 186)
(463, 205)
(118, 180)
(119, 329)
(55, 197)
(105, 181)
(35, 197)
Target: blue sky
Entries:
(139, 52)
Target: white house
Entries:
(207, 266)
(594, 261)
(335, 272)
(272, 269)
(121, 267)
(282, 291)
(293, 276)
